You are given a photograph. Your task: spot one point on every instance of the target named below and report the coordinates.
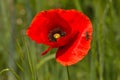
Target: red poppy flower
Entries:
(68, 30)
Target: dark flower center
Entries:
(55, 34)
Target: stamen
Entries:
(56, 35)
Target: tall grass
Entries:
(20, 58)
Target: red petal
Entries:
(43, 23)
(69, 20)
(37, 31)
(76, 50)
(75, 44)
(46, 51)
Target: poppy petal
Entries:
(77, 49)
(45, 21)
(42, 25)
(46, 51)
(74, 30)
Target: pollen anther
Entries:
(56, 35)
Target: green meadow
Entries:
(20, 57)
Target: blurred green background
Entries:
(20, 57)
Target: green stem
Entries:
(4, 70)
(77, 5)
(68, 73)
